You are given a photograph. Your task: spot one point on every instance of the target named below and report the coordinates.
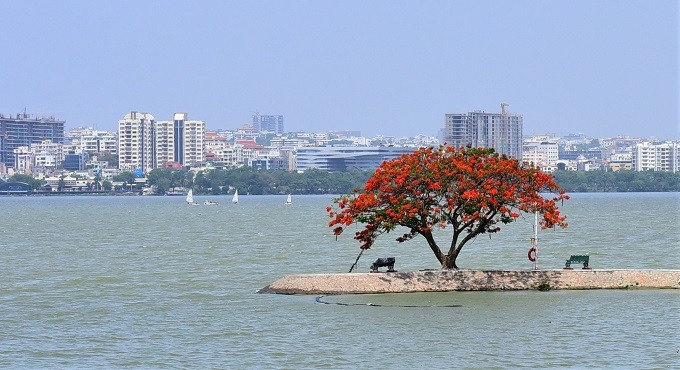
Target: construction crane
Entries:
(503, 106)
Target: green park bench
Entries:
(577, 259)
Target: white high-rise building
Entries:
(180, 140)
(146, 143)
(500, 131)
(135, 142)
(189, 138)
(164, 138)
(657, 157)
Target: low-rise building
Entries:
(24, 159)
(68, 183)
(620, 161)
(541, 153)
(346, 158)
(93, 141)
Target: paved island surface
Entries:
(472, 280)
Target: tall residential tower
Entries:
(270, 123)
(135, 142)
(146, 143)
(501, 131)
(23, 130)
(180, 140)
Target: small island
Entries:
(473, 280)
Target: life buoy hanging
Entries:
(532, 254)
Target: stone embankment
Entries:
(472, 280)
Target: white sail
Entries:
(235, 198)
(190, 197)
(289, 200)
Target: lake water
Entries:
(151, 282)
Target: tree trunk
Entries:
(450, 259)
(433, 245)
(454, 250)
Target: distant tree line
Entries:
(37, 184)
(249, 180)
(313, 181)
(27, 179)
(252, 181)
(619, 181)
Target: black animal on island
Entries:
(383, 262)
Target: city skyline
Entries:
(358, 133)
(604, 68)
(144, 143)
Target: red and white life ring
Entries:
(532, 254)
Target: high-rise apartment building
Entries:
(164, 139)
(189, 137)
(135, 142)
(501, 131)
(656, 157)
(269, 123)
(180, 140)
(146, 143)
(23, 130)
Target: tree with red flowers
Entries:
(472, 190)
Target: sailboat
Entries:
(190, 197)
(289, 200)
(235, 198)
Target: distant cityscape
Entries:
(41, 148)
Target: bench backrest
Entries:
(578, 259)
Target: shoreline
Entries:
(473, 280)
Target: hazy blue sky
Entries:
(603, 68)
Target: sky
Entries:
(602, 68)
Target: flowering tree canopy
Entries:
(470, 189)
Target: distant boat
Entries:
(289, 200)
(190, 197)
(235, 198)
(210, 202)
